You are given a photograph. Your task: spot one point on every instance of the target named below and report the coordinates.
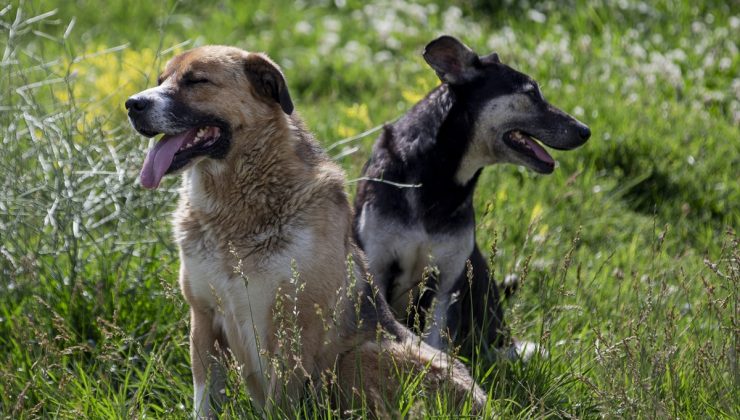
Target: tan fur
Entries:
(274, 204)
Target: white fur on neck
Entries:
(486, 145)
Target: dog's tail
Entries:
(375, 373)
(509, 286)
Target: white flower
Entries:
(536, 16)
(303, 27)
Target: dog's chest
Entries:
(398, 253)
(240, 299)
(239, 295)
(226, 291)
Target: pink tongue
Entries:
(160, 157)
(540, 152)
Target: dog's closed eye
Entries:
(191, 78)
(195, 81)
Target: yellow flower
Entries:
(100, 79)
(345, 131)
(411, 96)
(543, 229)
(536, 212)
(422, 85)
(501, 195)
(359, 112)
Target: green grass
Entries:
(629, 251)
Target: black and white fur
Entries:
(483, 113)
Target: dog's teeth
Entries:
(199, 135)
(519, 137)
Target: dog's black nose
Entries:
(584, 132)
(136, 104)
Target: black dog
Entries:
(483, 113)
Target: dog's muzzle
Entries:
(140, 108)
(136, 105)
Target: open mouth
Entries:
(174, 151)
(527, 146)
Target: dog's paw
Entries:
(524, 351)
(509, 285)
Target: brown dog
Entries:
(261, 196)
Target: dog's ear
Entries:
(453, 61)
(491, 58)
(268, 80)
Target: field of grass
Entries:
(628, 253)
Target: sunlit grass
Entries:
(628, 251)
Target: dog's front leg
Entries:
(438, 322)
(207, 370)
(480, 305)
